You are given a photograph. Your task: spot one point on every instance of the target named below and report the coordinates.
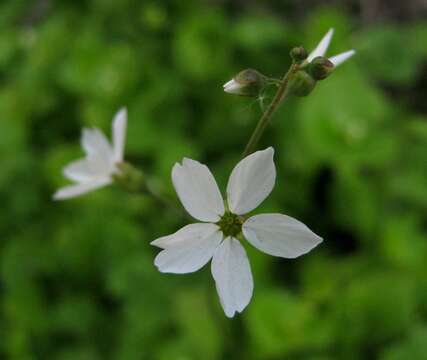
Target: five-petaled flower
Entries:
(100, 164)
(322, 47)
(215, 237)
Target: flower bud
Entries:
(248, 82)
(129, 177)
(298, 54)
(320, 68)
(301, 83)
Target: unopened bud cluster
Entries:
(304, 80)
(308, 68)
(251, 82)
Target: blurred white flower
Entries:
(215, 237)
(322, 47)
(100, 164)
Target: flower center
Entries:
(230, 224)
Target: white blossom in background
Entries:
(100, 164)
(322, 47)
(215, 236)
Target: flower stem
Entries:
(281, 95)
(151, 189)
(134, 180)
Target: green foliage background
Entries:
(77, 279)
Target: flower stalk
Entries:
(133, 180)
(303, 84)
(151, 188)
(281, 94)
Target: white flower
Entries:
(100, 164)
(215, 237)
(322, 47)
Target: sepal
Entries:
(301, 83)
(129, 177)
(320, 68)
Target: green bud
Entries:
(320, 68)
(129, 177)
(248, 82)
(301, 83)
(298, 54)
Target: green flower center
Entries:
(230, 224)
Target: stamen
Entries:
(230, 224)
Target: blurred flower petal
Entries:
(85, 170)
(96, 144)
(119, 134)
(71, 191)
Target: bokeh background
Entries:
(77, 280)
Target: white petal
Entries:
(322, 47)
(85, 170)
(251, 181)
(71, 191)
(198, 190)
(96, 144)
(119, 134)
(233, 277)
(232, 87)
(188, 249)
(340, 58)
(279, 235)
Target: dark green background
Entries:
(77, 280)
